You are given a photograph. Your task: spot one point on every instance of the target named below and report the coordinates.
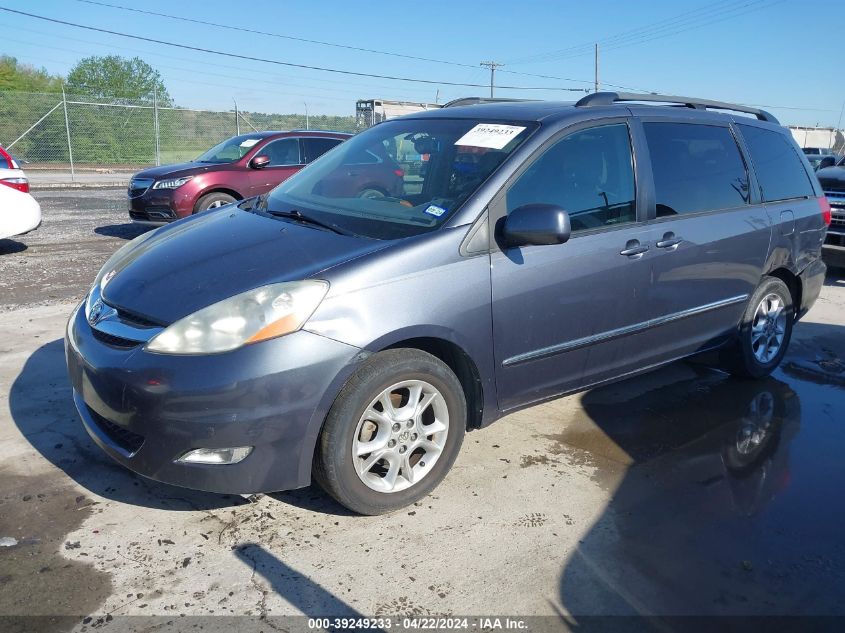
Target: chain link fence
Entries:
(76, 134)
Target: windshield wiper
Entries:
(297, 215)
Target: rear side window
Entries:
(588, 173)
(779, 169)
(696, 168)
(313, 148)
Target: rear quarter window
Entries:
(779, 169)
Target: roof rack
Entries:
(609, 98)
(463, 101)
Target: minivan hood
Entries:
(177, 170)
(194, 263)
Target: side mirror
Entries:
(827, 161)
(260, 162)
(536, 224)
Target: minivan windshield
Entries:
(399, 178)
(229, 150)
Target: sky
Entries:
(768, 53)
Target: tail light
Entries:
(21, 184)
(824, 205)
(399, 172)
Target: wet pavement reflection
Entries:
(732, 500)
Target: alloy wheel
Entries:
(768, 328)
(400, 436)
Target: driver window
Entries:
(283, 152)
(588, 173)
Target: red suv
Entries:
(238, 168)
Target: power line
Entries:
(262, 74)
(697, 18)
(277, 35)
(639, 30)
(332, 44)
(274, 61)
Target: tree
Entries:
(118, 79)
(26, 78)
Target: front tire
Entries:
(764, 333)
(393, 432)
(213, 200)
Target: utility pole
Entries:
(237, 118)
(307, 123)
(597, 67)
(492, 66)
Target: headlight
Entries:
(249, 317)
(171, 183)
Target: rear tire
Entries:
(764, 332)
(213, 200)
(393, 432)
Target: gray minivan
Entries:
(538, 249)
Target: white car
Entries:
(19, 212)
(11, 173)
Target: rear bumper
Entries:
(21, 220)
(146, 410)
(812, 280)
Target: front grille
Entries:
(139, 186)
(123, 438)
(136, 319)
(114, 341)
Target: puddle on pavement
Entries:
(731, 501)
(38, 515)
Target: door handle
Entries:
(634, 249)
(671, 243)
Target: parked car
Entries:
(832, 180)
(240, 167)
(550, 248)
(820, 161)
(817, 151)
(11, 174)
(20, 213)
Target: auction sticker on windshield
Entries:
(492, 135)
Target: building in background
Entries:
(827, 137)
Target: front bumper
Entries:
(160, 206)
(146, 410)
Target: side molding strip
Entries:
(619, 332)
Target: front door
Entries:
(561, 313)
(285, 161)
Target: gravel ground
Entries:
(80, 229)
(680, 492)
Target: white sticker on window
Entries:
(492, 135)
(434, 210)
(250, 142)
